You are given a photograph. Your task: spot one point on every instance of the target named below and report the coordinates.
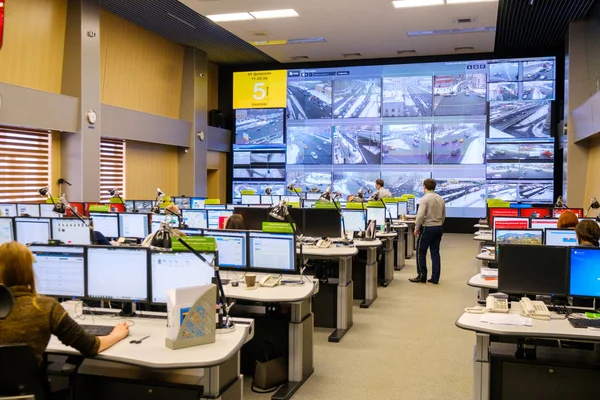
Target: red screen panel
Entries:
(557, 211)
(542, 212)
(77, 206)
(502, 212)
(511, 223)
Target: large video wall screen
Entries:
(482, 129)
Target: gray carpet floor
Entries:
(405, 346)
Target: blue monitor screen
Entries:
(272, 251)
(560, 237)
(354, 220)
(231, 247)
(585, 272)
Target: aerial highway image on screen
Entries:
(267, 157)
(534, 192)
(258, 173)
(536, 151)
(537, 171)
(502, 191)
(256, 126)
(357, 98)
(520, 119)
(348, 183)
(508, 71)
(503, 91)
(459, 94)
(409, 96)
(309, 145)
(239, 186)
(459, 143)
(357, 144)
(462, 192)
(400, 182)
(406, 144)
(310, 99)
(503, 151)
(538, 90)
(516, 237)
(503, 171)
(538, 70)
(308, 181)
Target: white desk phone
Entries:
(529, 308)
(323, 243)
(270, 280)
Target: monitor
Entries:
(233, 206)
(402, 208)
(46, 211)
(59, 270)
(217, 206)
(519, 274)
(322, 222)
(7, 233)
(144, 206)
(536, 212)
(195, 218)
(231, 247)
(519, 236)
(253, 217)
(191, 231)
(8, 210)
(560, 237)
(251, 199)
(30, 210)
(32, 230)
(511, 223)
(376, 213)
(117, 273)
(133, 225)
(129, 205)
(155, 225)
(584, 271)
(501, 212)
(355, 220)
(391, 210)
(269, 200)
(71, 231)
(544, 223)
(107, 224)
(309, 196)
(557, 211)
(213, 217)
(272, 252)
(197, 203)
(172, 270)
(309, 203)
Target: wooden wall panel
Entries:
(213, 86)
(34, 43)
(150, 166)
(139, 70)
(592, 184)
(216, 164)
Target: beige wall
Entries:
(150, 166)
(139, 70)
(34, 42)
(592, 184)
(216, 164)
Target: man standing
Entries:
(381, 193)
(428, 229)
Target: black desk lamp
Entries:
(115, 193)
(160, 195)
(593, 204)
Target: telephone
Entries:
(323, 243)
(534, 309)
(496, 305)
(270, 281)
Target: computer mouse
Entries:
(235, 284)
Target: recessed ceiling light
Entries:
(230, 17)
(417, 3)
(351, 55)
(296, 58)
(274, 14)
(469, 1)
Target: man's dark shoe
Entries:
(417, 280)
(432, 281)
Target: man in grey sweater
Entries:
(429, 231)
(382, 192)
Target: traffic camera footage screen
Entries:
(482, 129)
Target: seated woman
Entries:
(236, 221)
(567, 220)
(34, 317)
(588, 233)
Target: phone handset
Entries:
(323, 243)
(270, 280)
(534, 309)
(496, 305)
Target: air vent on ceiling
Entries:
(465, 20)
(406, 52)
(347, 55)
(464, 48)
(183, 21)
(296, 58)
(261, 33)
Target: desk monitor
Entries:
(544, 223)
(309, 203)
(181, 202)
(31, 210)
(46, 211)
(526, 269)
(71, 231)
(269, 200)
(8, 210)
(402, 208)
(511, 223)
(155, 224)
(251, 199)
(584, 271)
(376, 213)
(519, 236)
(195, 218)
(7, 232)
(133, 225)
(355, 220)
(233, 206)
(391, 211)
(213, 217)
(177, 270)
(231, 248)
(197, 203)
(501, 212)
(191, 232)
(557, 211)
(107, 224)
(117, 273)
(272, 252)
(144, 206)
(217, 206)
(59, 270)
(536, 212)
(130, 205)
(590, 219)
(32, 230)
(253, 217)
(309, 196)
(560, 237)
(322, 222)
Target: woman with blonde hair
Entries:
(34, 317)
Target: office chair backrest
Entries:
(19, 372)
(6, 302)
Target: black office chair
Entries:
(6, 302)
(20, 374)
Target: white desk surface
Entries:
(481, 226)
(367, 243)
(555, 328)
(152, 352)
(485, 237)
(386, 234)
(478, 282)
(277, 294)
(486, 256)
(400, 225)
(331, 251)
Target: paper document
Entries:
(506, 319)
(489, 273)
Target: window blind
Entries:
(112, 167)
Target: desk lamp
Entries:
(292, 189)
(66, 206)
(560, 203)
(6, 302)
(180, 222)
(268, 191)
(45, 192)
(593, 204)
(115, 193)
(281, 213)
(160, 195)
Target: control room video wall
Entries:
(482, 129)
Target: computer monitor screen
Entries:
(8, 210)
(32, 230)
(253, 217)
(501, 212)
(115, 273)
(71, 231)
(309, 203)
(133, 225)
(59, 270)
(309, 196)
(355, 220)
(7, 233)
(402, 208)
(272, 251)
(155, 224)
(144, 206)
(107, 224)
(231, 247)
(195, 218)
(130, 205)
(391, 211)
(560, 237)
(376, 213)
(46, 211)
(217, 206)
(544, 223)
(251, 199)
(30, 210)
(536, 212)
(557, 211)
(511, 223)
(269, 200)
(532, 269)
(519, 236)
(197, 203)
(214, 215)
(178, 270)
(585, 271)
(322, 222)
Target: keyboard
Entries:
(584, 323)
(98, 330)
